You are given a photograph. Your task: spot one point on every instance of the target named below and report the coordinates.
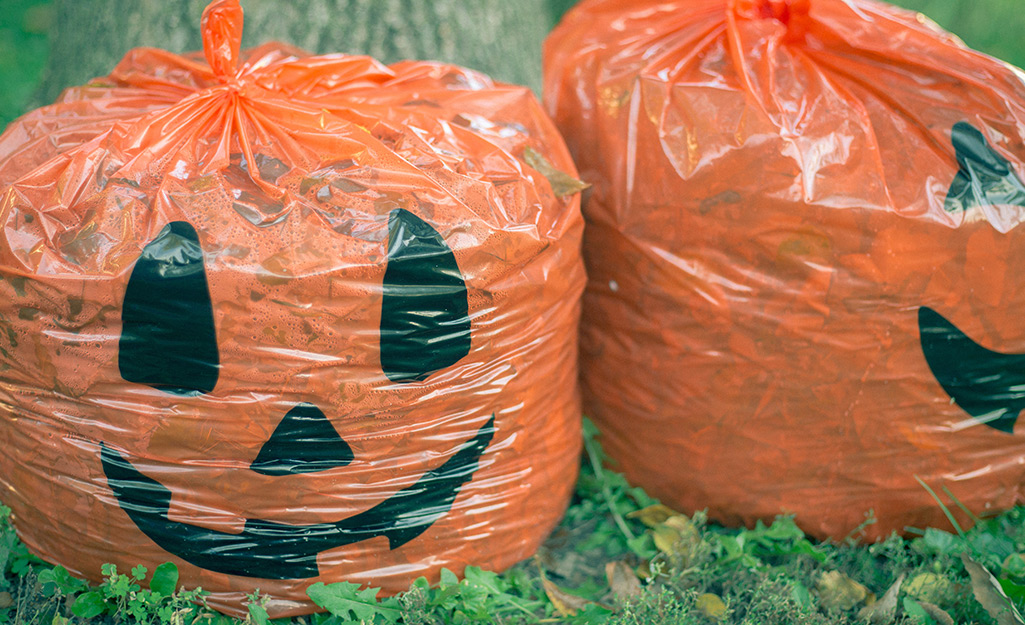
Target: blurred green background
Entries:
(992, 26)
(24, 47)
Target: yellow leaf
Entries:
(836, 591)
(931, 588)
(653, 515)
(711, 606)
(562, 183)
(667, 539)
(686, 528)
(676, 536)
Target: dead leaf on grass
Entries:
(653, 515)
(6, 600)
(711, 606)
(884, 611)
(936, 613)
(930, 587)
(622, 580)
(562, 183)
(666, 539)
(565, 603)
(682, 523)
(676, 536)
(836, 591)
(990, 595)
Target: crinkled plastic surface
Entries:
(801, 247)
(282, 319)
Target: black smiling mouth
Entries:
(988, 385)
(271, 550)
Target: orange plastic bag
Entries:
(283, 319)
(800, 245)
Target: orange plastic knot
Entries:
(222, 37)
(791, 13)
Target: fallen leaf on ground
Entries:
(653, 515)
(566, 604)
(6, 600)
(937, 613)
(667, 540)
(682, 524)
(711, 606)
(836, 591)
(676, 536)
(562, 183)
(931, 588)
(990, 595)
(622, 580)
(884, 611)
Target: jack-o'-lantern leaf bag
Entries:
(282, 319)
(803, 246)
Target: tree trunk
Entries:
(499, 37)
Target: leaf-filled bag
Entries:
(282, 319)
(801, 247)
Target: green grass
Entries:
(670, 570)
(991, 26)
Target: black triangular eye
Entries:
(425, 322)
(167, 337)
(985, 178)
(304, 442)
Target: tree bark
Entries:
(499, 37)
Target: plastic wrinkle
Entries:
(801, 233)
(283, 319)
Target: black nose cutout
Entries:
(304, 442)
(988, 385)
(425, 322)
(168, 339)
(985, 177)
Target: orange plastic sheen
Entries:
(772, 214)
(295, 250)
